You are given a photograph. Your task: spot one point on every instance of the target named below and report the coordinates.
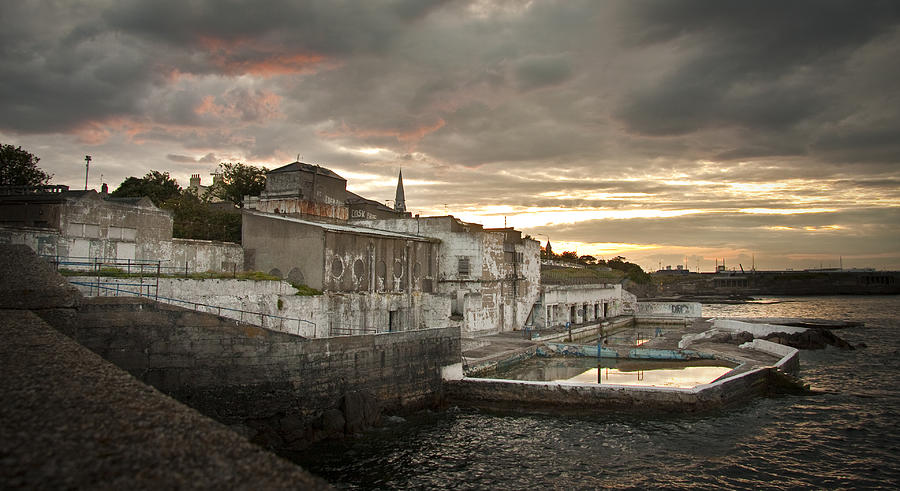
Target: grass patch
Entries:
(305, 291)
(208, 275)
(579, 276)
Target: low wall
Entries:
(285, 390)
(790, 357)
(322, 315)
(668, 309)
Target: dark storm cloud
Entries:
(334, 27)
(541, 71)
(555, 104)
(766, 67)
(67, 64)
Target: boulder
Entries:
(812, 338)
(361, 411)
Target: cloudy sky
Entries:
(666, 132)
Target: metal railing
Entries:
(131, 266)
(242, 315)
(103, 267)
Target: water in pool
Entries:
(681, 374)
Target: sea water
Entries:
(845, 436)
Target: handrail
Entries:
(195, 305)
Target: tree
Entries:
(238, 180)
(194, 219)
(158, 186)
(19, 168)
(587, 259)
(570, 256)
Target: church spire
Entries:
(400, 198)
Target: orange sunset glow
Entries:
(610, 128)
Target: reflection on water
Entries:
(686, 377)
(648, 373)
(846, 437)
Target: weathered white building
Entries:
(491, 275)
(373, 280)
(86, 226)
(579, 304)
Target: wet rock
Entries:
(813, 338)
(722, 337)
(361, 411)
(333, 422)
(742, 337)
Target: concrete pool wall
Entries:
(529, 396)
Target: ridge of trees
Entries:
(632, 271)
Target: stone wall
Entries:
(283, 390)
(323, 315)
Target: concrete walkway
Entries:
(487, 352)
(71, 420)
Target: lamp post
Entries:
(87, 167)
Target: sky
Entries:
(764, 133)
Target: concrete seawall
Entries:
(281, 389)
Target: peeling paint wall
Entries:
(357, 263)
(491, 275)
(329, 314)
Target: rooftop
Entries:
(354, 229)
(304, 167)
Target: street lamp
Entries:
(87, 167)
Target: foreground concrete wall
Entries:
(71, 420)
(278, 385)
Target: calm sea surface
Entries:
(848, 437)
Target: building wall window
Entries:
(463, 266)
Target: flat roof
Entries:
(347, 229)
